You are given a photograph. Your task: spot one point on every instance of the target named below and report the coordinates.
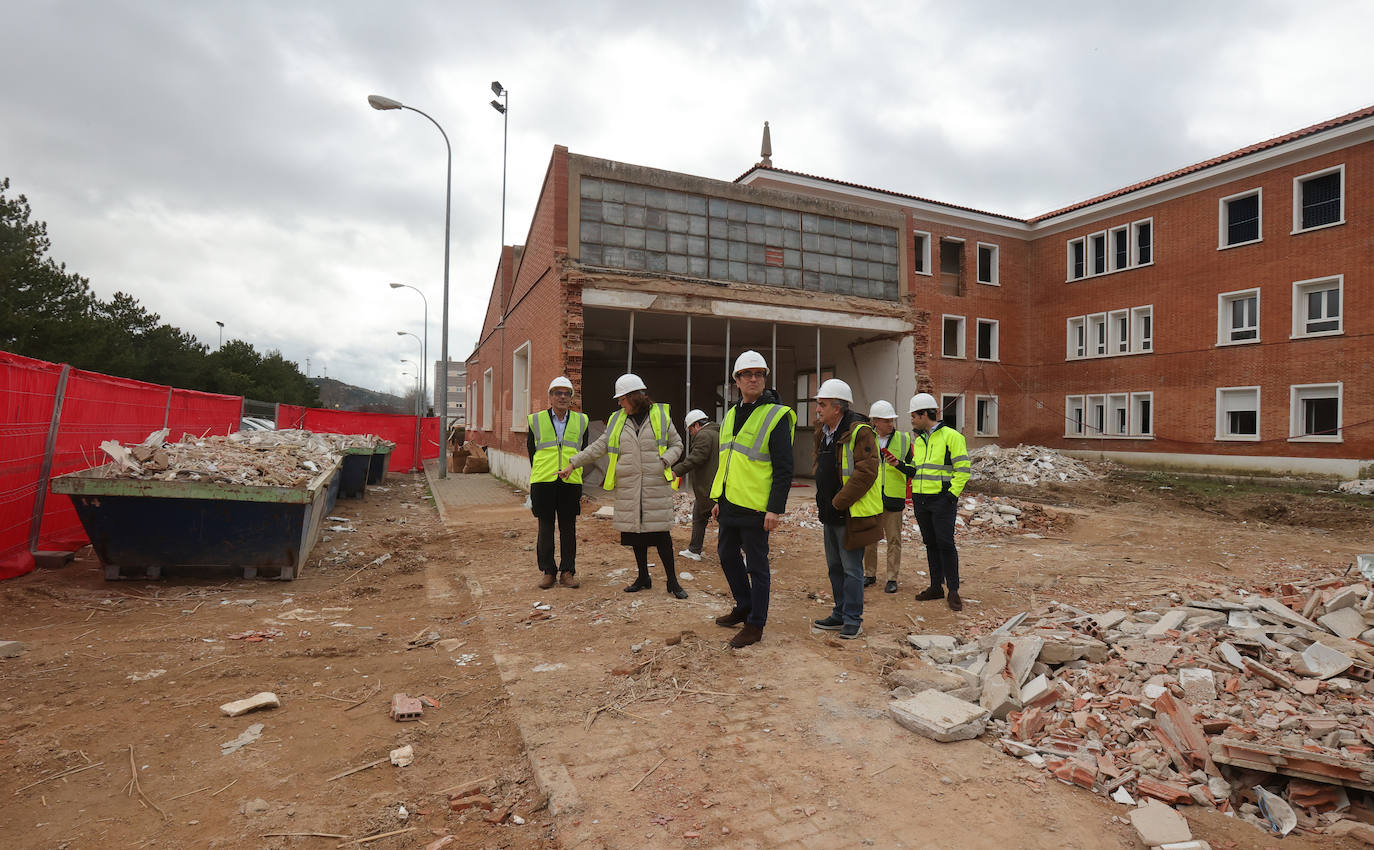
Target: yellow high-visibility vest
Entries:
(744, 473)
(894, 480)
(871, 503)
(658, 420)
(548, 447)
(941, 461)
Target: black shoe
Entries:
(869, 581)
(678, 592)
(955, 603)
(829, 624)
(930, 593)
(639, 584)
(747, 636)
(851, 631)
(890, 587)
(734, 618)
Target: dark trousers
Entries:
(701, 515)
(935, 516)
(743, 553)
(563, 502)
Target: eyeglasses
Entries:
(752, 374)
(562, 394)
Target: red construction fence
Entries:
(55, 417)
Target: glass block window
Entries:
(640, 228)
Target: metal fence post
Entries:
(40, 500)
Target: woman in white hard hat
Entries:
(643, 445)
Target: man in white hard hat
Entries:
(940, 458)
(894, 447)
(753, 477)
(553, 437)
(703, 452)
(849, 501)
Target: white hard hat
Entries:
(923, 401)
(882, 410)
(560, 381)
(835, 388)
(749, 360)
(694, 416)
(626, 384)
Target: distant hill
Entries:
(341, 396)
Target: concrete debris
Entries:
(403, 756)
(406, 707)
(266, 699)
(258, 458)
(12, 648)
(939, 716)
(251, 734)
(1358, 487)
(1158, 824)
(1170, 703)
(1031, 465)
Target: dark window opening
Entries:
(1242, 220)
(1120, 245)
(1319, 416)
(1144, 416)
(1099, 254)
(919, 244)
(1321, 200)
(1078, 259)
(1143, 243)
(1242, 422)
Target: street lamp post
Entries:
(503, 107)
(424, 344)
(379, 102)
(221, 336)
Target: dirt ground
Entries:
(609, 720)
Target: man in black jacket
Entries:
(702, 454)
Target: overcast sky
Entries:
(219, 161)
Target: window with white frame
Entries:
(1097, 335)
(1144, 242)
(1143, 328)
(952, 411)
(1097, 415)
(1319, 199)
(1124, 246)
(1238, 413)
(987, 264)
(1238, 317)
(1119, 240)
(1317, 306)
(1118, 415)
(1315, 412)
(486, 399)
(520, 388)
(1073, 416)
(1119, 326)
(1077, 262)
(1097, 252)
(985, 416)
(1078, 338)
(920, 243)
(952, 336)
(1239, 219)
(1142, 414)
(987, 339)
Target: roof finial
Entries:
(767, 150)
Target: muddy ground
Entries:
(644, 728)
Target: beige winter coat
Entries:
(643, 497)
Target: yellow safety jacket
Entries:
(548, 448)
(894, 480)
(871, 504)
(744, 473)
(658, 420)
(941, 461)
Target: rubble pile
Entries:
(1248, 703)
(1027, 465)
(1358, 487)
(994, 515)
(257, 458)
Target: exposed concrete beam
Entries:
(618, 299)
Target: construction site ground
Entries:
(608, 720)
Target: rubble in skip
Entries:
(262, 458)
(1258, 704)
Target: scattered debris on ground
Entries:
(1358, 487)
(1027, 465)
(1256, 704)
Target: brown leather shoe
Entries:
(746, 636)
(734, 618)
(547, 581)
(955, 603)
(930, 593)
(568, 578)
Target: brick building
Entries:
(1213, 317)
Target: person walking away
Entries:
(894, 449)
(703, 452)
(849, 500)
(643, 445)
(940, 458)
(554, 436)
(753, 477)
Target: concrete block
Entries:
(1199, 685)
(1324, 662)
(1110, 620)
(1346, 597)
(926, 678)
(944, 642)
(1195, 844)
(266, 699)
(1158, 824)
(1344, 622)
(12, 648)
(939, 716)
(1243, 620)
(1231, 655)
(406, 707)
(1168, 621)
(999, 697)
(1024, 652)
